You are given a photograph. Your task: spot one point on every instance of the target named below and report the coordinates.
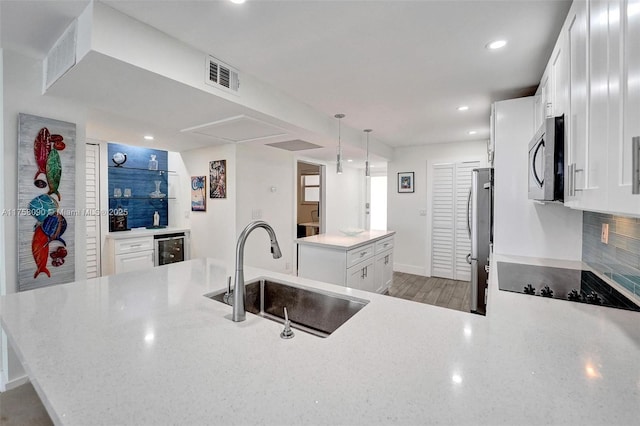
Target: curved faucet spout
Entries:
(239, 313)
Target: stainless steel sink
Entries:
(316, 312)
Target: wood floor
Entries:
(431, 290)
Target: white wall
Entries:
(22, 93)
(179, 183)
(213, 233)
(523, 227)
(413, 237)
(259, 169)
(252, 172)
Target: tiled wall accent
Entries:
(135, 174)
(620, 259)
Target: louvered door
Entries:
(450, 242)
(92, 190)
(443, 236)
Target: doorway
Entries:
(310, 190)
(378, 203)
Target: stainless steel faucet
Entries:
(239, 314)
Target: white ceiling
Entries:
(399, 67)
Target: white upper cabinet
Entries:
(625, 18)
(577, 122)
(601, 102)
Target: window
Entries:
(310, 188)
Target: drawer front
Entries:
(359, 254)
(133, 245)
(384, 244)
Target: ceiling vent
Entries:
(61, 57)
(221, 75)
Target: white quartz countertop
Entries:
(146, 348)
(342, 241)
(144, 232)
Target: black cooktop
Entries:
(573, 285)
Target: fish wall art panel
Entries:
(46, 201)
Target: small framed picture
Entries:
(198, 193)
(405, 182)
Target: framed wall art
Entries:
(198, 193)
(406, 182)
(46, 201)
(218, 179)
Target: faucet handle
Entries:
(228, 296)
(287, 333)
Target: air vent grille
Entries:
(221, 74)
(61, 57)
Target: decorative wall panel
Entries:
(46, 201)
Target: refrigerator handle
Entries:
(469, 214)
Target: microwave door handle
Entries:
(533, 164)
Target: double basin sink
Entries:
(317, 312)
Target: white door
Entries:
(92, 190)
(450, 241)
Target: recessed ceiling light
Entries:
(148, 137)
(472, 132)
(349, 160)
(463, 108)
(237, 1)
(496, 44)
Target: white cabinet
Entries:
(559, 69)
(367, 265)
(384, 271)
(129, 254)
(133, 261)
(577, 135)
(601, 40)
(362, 276)
(621, 176)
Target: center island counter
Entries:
(147, 347)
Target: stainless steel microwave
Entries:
(546, 161)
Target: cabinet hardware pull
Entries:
(635, 165)
(135, 245)
(572, 179)
(362, 253)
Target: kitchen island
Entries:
(146, 347)
(363, 261)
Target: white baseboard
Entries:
(410, 269)
(12, 384)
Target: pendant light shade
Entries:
(367, 171)
(339, 156)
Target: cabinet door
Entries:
(577, 135)
(621, 199)
(560, 77)
(601, 99)
(384, 271)
(134, 261)
(362, 276)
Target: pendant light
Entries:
(367, 172)
(339, 160)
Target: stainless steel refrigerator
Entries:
(480, 226)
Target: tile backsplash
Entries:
(620, 258)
